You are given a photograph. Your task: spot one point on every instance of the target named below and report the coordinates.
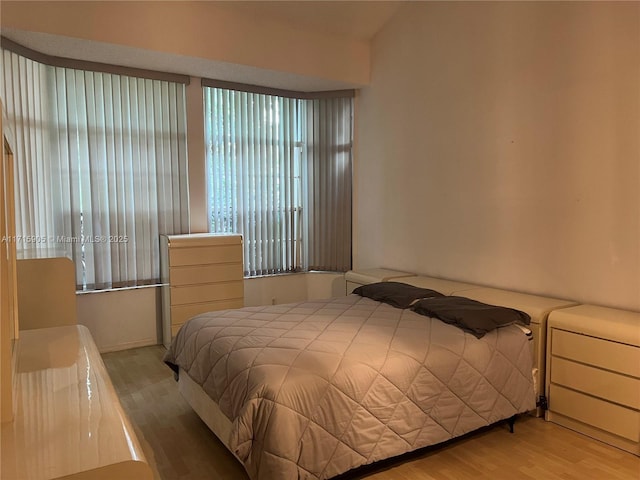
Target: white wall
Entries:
(120, 319)
(211, 30)
(289, 288)
(499, 144)
(129, 318)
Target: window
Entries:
(102, 167)
(279, 173)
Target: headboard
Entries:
(446, 287)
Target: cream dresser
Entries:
(593, 373)
(200, 273)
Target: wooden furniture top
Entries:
(68, 422)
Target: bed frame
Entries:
(208, 410)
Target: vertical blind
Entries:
(328, 173)
(279, 173)
(102, 165)
(253, 155)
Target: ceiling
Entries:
(358, 20)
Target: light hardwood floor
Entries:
(183, 448)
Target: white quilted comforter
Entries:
(317, 388)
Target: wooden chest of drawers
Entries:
(593, 373)
(200, 273)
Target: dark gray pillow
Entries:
(399, 295)
(471, 316)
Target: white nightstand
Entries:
(593, 373)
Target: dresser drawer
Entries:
(203, 240)
(601, 353)
(205, 255)
(609, 417)
(206, 293)
(195, 274)
(182, 313)
(604, 384)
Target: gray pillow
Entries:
(399, 295)
(471, 316)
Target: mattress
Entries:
(313, 389)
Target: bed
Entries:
(314, 389)
(537, 307)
